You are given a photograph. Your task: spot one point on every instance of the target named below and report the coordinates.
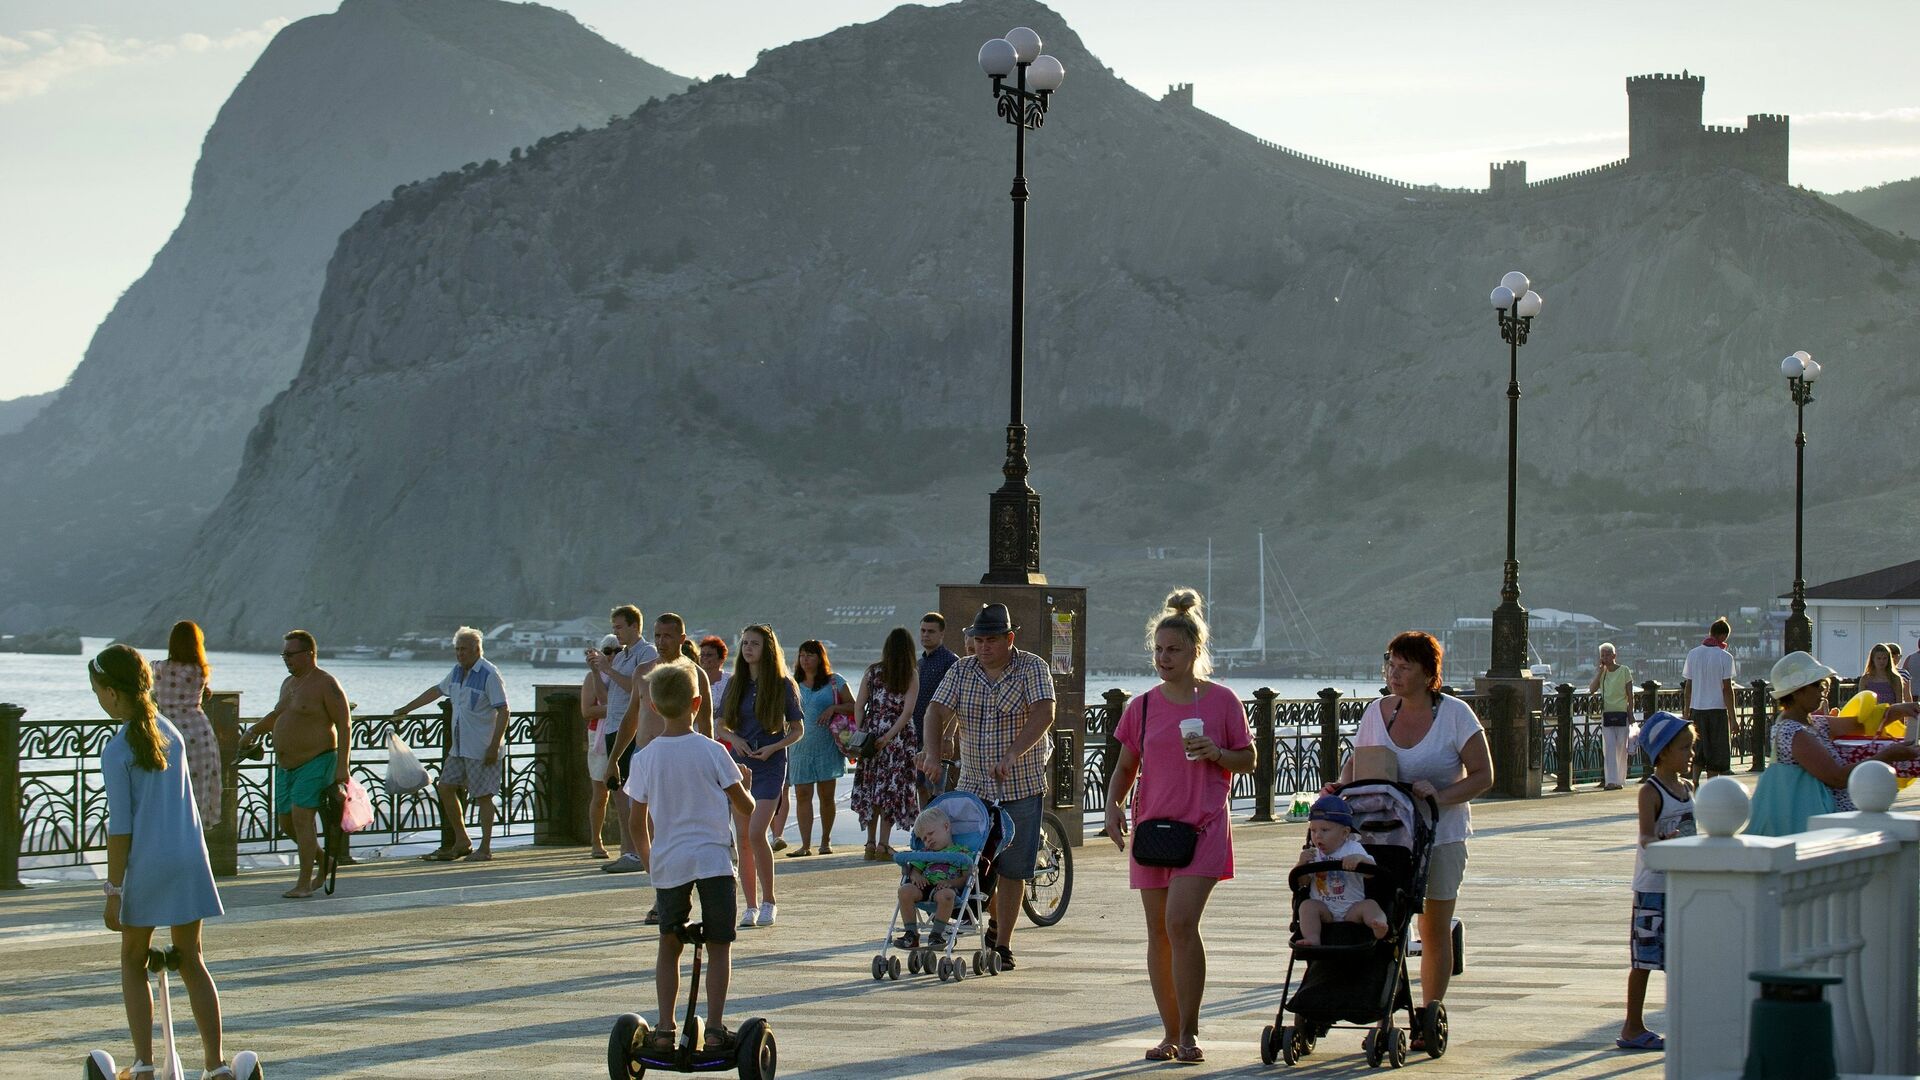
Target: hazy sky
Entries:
(103, 103)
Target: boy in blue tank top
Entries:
(1666, 812)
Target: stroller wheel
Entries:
(879, 967)
(980, 962)
(1397, 1049)
(1302, 1042)
(959, 968)
(993, 963)
(893, 968)
(1373, 1045)
(913, 962)
(927, 958)
(1434, 1017)
(1274, 1044)
(946, 969)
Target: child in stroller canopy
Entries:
(1336, 895)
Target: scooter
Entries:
(629, 1057)
(100, 1066)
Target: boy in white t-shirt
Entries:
(1336, 895)
(687, 782)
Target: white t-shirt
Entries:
(1340, 889)
(683, 779)
(1435, 759)
(626, 662)
(1706, 666)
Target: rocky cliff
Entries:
(16, 412)
(106, 484)
(743, 355)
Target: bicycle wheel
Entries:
(1051, 886)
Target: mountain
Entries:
(742, 355)
(15, 413)
(1893, 206)
(338, 109)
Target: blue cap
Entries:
(1332, 808)
(1657, 732)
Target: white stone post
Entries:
(1890, 922)
(1739, 904)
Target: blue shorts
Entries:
(1648, 942)
(1016, 860)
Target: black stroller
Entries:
(1353, 980)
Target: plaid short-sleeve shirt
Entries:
(991, 714)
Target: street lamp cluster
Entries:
(1801, 370)
(1516, 304)
(1013, 512)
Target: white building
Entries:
(1852, 614)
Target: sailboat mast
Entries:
(1263, 597)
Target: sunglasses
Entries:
(294, 652)
(608, 650)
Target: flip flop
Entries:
(448, 856)
(1190, 1054)
(434, 855)
(1163, 1052)
(1646, 1040)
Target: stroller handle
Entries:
(1326, 866)
(1433, 804)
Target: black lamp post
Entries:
(1801, 371)
(1516, 304)
(1013, 512)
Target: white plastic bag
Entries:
(1633, 739)
(405, 774)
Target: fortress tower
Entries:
(1664, 131)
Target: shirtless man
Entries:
(311, 734)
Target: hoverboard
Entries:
(100, 1066)
(629, 1057)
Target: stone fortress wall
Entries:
(1664, 132)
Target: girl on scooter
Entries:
(157, 868)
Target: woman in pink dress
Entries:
(884, 792)
(1185, 777)
(180, 689)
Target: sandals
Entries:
(799, 853)
(661, 1040)
(826, 848)
(1163, 1052)
(722, 1041)
(779, 843)
(1190, 1054)
(1646, 1040)
(448, 854)
(138, 1068)
(873, 853)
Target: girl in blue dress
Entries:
(816, 762)
(157, 868)
(758, 718)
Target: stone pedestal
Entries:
(561, 760)
(1515, 738)
(223, 840)
(1036, 610)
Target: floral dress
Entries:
(1788, 795)
(883, 784)
(176, 689)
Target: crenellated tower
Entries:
(1664, 131)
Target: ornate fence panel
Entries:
(63, 803)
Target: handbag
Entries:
(405, 774)
(1161, 841)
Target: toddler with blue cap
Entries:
(1336, 895)
(1665, 812)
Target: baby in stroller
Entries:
(936, 873)
(1336, 895)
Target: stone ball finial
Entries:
(1720, 807)
(1873, 786)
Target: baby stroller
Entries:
(984, 830)
(1353, 980)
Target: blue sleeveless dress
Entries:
(816, 757)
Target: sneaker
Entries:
(766, 913)
(628, 863)
(940, 936)
(750, 919)
(908, 940)
(1006, 957)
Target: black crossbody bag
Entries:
(1161, 841)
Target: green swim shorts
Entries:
(302, 785)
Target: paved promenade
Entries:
(515, 969)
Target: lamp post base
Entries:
(1798, 636)
(1516, 733)
(1053, 626)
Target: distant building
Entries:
(1853, 614)
(1664, 131)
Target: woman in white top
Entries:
(1442, 752)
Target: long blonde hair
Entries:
(122, 669)
(1893, 666)
(1185, 611)
(769, 679)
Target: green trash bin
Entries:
(1790, 1028)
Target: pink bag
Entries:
(358, 812)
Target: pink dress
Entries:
(176, 689)
(1170, 786)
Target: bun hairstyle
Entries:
(1184, 611)
(122, 669)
